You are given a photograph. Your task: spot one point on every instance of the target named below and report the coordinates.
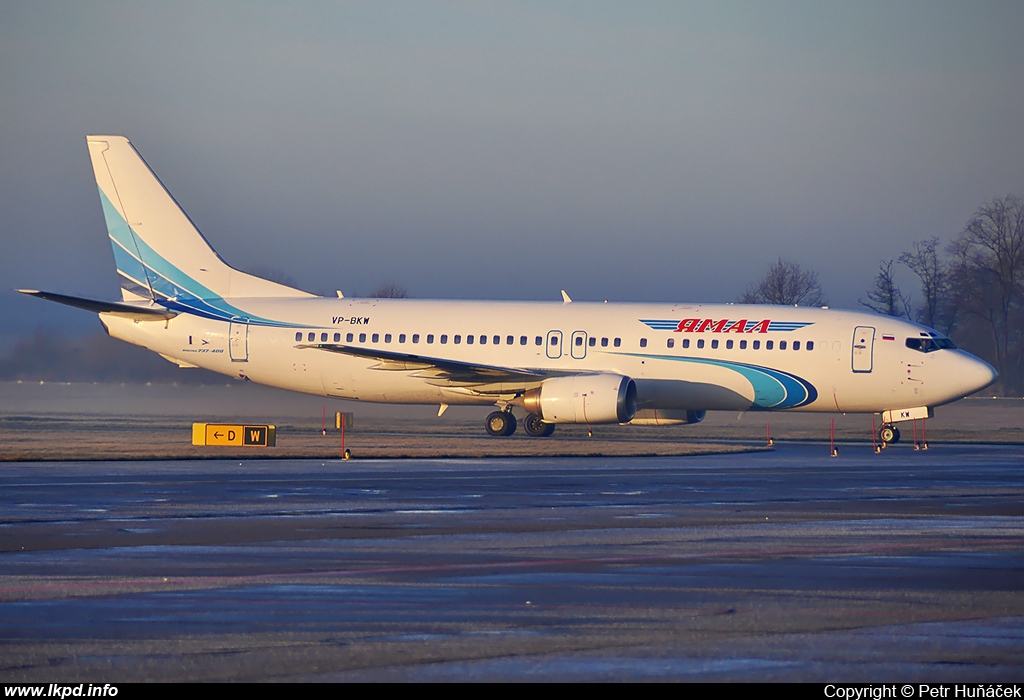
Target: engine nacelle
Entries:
(583, 398)
(660, 416)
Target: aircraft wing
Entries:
(136, 313)
(480, 378)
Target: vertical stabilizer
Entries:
(159, 252)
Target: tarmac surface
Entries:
(788, 565)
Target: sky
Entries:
(629, 151)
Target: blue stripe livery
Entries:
(772, 388)
(147, 273)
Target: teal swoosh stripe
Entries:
(772, 388)
(175, 289)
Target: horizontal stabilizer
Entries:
(135, 313)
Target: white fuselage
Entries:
(682, 357)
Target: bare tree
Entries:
(886, 297)
(989, 264)
(786, 283)
(389, 291)
(940, 309)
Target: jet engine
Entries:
(583, 398)
(660, 416)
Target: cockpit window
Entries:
(930, 344)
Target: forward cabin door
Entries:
(863, 348)
(238, 340)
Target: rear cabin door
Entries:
(238, 340)
(863, 348)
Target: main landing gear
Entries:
(889, 434)
(500, 424)
(536, 427)
(503, 424)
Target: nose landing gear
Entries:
(889, 434)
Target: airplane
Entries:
(558, 362)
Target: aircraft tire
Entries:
(889, 434)
(500, 424)
(536, 427)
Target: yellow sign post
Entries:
(342, 421)
(223, 434)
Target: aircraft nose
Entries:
(975, 374)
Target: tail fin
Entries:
(159, 252)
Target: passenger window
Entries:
(592, 342)
(604, 342)
(714, 344)
(538, 341)
(298, 336)
(700, 342)
(671, 343)
(457, 339)
(522, 340)
(728, 345)
(554, 340)
(337, 337)
(782, 345)
(444, 339)
(509, 340)
(348, 338)
(311, 337)
(375, 337)
(579, 341)
(810, 344)
(496, 340)
(686, 342)
(743, 345)
(643, 342)
(401, 337)
(387, 337)
(617, 342)
(430, 338)
(362, 337)
(757, 344)
(469, 340)
(769, 344)
(323, 337)
(796, 344)
(415, 338)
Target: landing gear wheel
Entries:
(500, 424)
(889, 434)
(536, 427)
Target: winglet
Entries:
(565, 298)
